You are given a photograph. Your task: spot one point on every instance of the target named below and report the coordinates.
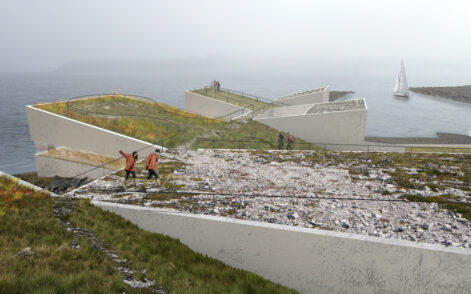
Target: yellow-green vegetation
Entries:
(444, 201)
(166, 125)
(171, 264)
(55, 267)
(141, 119)
(233, 98)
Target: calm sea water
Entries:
(388, 116)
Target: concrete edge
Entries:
(92, 126)
(207, 97)
(395, 242)
(27, 184)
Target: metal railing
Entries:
(325, 147)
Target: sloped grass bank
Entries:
(166, 125)
(248, 135)
(144, 120)
(173, 265)
(55, 267)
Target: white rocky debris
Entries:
(287, 189)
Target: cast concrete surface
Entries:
(49, 129)
(340, 127)
(50, 167)
(310, 260)
(207, 106)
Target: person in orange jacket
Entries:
(130, 160)
(150, 166)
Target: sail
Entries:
(402, 87)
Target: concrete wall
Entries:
(318, 96)
(47, 128)
(342, 127)
(212, 107)
(49, 167)
(291, 110)
(309, 260)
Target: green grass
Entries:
(233, 98)
(166, 125)
(234, 135)
(463, 208)
(57, 268)
(148, 121)
(173, 265)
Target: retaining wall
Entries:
(342, 127)
(50, 167)
(48, 129)
(311, 260)
(212, 107)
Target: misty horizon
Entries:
(50, 34)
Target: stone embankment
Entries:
(459, 93)
(359, 193)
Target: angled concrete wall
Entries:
(341, 127)
(214, 108)
(49, 167)
(309, 260)
(47, 129)
(309, 97)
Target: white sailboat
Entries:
(401, 88)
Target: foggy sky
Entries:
(44, 34)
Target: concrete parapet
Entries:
(70, 163)
(49, 129)
(214, 108)
(334, 127)
(312, 260)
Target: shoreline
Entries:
(458, 93)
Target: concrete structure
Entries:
(320, 95)
(334, 123)
(311, 260)
(70, 163)
(213, 108)
(51, 131)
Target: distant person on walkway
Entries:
(290, 140)
(280, 141)
(218, 86)
(130, 160)
(214, 86)
(150, 166)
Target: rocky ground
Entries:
(421, 198)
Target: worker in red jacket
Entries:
(130, 160)
(150, 166)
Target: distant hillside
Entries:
(460, 93)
